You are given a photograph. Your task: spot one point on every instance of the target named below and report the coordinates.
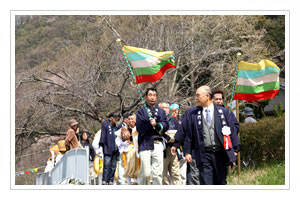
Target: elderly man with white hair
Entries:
(207, 128)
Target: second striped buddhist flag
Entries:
(257, 81)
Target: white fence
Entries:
(73, 165)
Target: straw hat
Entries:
(61, 145)
(55, 149)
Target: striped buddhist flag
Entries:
(257, 81)
(148, 66)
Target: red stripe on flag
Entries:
(256, 97)
(154, 77)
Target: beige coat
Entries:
(71, 140)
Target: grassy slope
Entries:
(269, 173)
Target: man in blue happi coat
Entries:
(208, 128)
(218, 99)
(151, 124)
(110, 149)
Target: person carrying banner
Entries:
(151, 124)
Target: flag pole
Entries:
(238, 55)
(132, 74)
(238, 119)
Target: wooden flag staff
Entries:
(238, 119)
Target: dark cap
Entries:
(113, 115)
(126, 115)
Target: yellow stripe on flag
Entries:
(256, 66)
(129, 49)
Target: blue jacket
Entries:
(107, 140)
(146, 130)
(173, 124)
(234, 136)
(179, 136)
(192, 128)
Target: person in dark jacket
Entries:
(218, 99)
(207, 128)
(171, 163)
(110, 149)
(151, 124)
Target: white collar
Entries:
(210, 108)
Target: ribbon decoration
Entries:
(227, 142)
(226, 138)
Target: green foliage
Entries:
(274, 175)
(257, 107)
(275, 110)
(262, 112)
(275, 30)
(265, 173)
(263, 140)
(278, 110)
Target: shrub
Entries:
(263, 140)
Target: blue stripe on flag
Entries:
(254, 74)
(138, 56)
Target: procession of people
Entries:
(155, 146)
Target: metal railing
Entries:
(74, 165)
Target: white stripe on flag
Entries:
(149, 62)
(259, 80)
